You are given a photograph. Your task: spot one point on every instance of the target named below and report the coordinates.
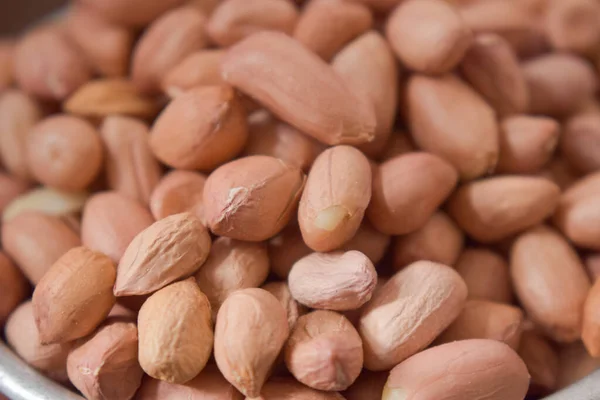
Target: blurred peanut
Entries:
(201, 68)
(13, 286)
(47, 201)
(281, 291)
(285, 249)
(486, 274)
(579, 141)
(177, 192)
(541, 360)
(281, 388)
(572, 26)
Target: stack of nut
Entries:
(303, 200)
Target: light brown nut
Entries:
(110, 222)
(560, 172)
(18, 114)
(324, 351)
(168, 250)
(590, 332)
(409, 312)
(574, 363)
(46, 201)
(407, 190)
(202, 68)
(23, 336)
(74, 296)
(572, 25)
(135, 13)
(281, 291)
(7, 49)
(369, 385)
(11, 188)
(232, 265)
(205, 6)
(122, 313)
(175, 332)
(251, 328)
(285, 249)
(299, 88)
(527, 143)
(335, 281)
(105, 365)
(370, 242)
(492, 67)
(420, 46)
(541, 360)
(592, 265)
(234, 20)
(559, 83)
(210, 124)
(325, 26)
(105, 45)
(368, 65)
(585, 187)
(131, 168)
(252, 198)
(439, 240)
(486, 274)
(177, 192)
(334, 200)
(172, 37)
(64, 152)
(578, 221)
(281, 388)
(103, 97)
(550, 282)
(495, 372)
(13, 286)
(48, 65)
(495, 208)
(578, 141)
(450, 119)
(398, 144)
(35, 241)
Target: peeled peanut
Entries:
(281, 388)
(299, 88)
(541, 360)
(486, 275)
(201, 68)
(285, 249)
(7, 49)
(407, 190)
(74, 296)
(370, 242)
(210, 124)
(550, 282)
(177, 192)
(495, 208)
(35, 241)
(13, 286)
(281, 291)
(448, 118)
(574, 363)
(11, 187)
(399, 143)
(495, 372)
(252, 198)
(251, 329)
(137, 13)
(46, 201)
(579, 139)
(175, 332)
(409, 312)
(369, 385)
(572, 25)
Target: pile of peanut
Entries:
(303, 200)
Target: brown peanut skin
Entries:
(290, 389)
(571, 26)
(201, 68)
(541, 360)
(486, 274)
(590, 331)
(11, 187)
(574, 363)
(178, 191)
(13, 286)
(7, 48)
(579, 139)
(136, 13)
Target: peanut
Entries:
(201, 68)
(285, 249)
(541, 360)
(13, 285)
(46, 201)
(177, 192)
(571, 26)
(580, 138)
(486, 274)
(281, 291)
(590, 331)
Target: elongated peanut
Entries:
(571, 25)
(201, 68)
(579, 140)
(285, 249)
(541, 360)
(10, 188)
(281, 291)
(590, 331)
(578, 221)
(486, 275)
(177, 192)
(280, 388)
(136, 13)
(369, 385)
(46, 201)
(13, 286)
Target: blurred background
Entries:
(15, 14)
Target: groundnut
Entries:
(550, 282)
(7, 48)
(133, 12)
(399, 143)
(486, 274)
(177, 192)
(13, 285)
(578, 221)
(409, 312)
(407, 190)
(590, 332)
(439, 240)
(64, 152)
(495, 372)
(11, 187)
(541, 360)
(280, 388)
(370, 242)
(46, 201)
(448, 118)
(592, 265)
(578, 142)
(560, 172)
(574, 363)
(369, 385)
(285, 249)
(281, 291)
(572, 25)
(201, 68)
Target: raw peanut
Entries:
(7, 49)
(495, 208)
(172, 37)
(103, 97)
(486, 275)
(448, 118)
(559, 83)
(168, 250)
(587, 186)
(398, 144)
(18, 114)
(578, 221)
(590, 332)
(550, 282)
(439, 240)
(48, 65)
(234, 20)
(177, 192)
(23, 336)
(574, 363)
(428, 35)
(232, 265)
(64, 152)
(285, 388)
(354, 315)
(370, 242)
(476, 368)
(572, 25)
(409, 312)
(110, 222)
(175, 332)
(325, 26)
(201, 68)
(369, 385)
(285, 249)
(560, 172)
(299, 88)
(334, 200)
(592, 265)
(74, 296)
(135, 13)
(36, 241)
(324, 351)
(281, 291)
(526, 143)
(47, 201)
(105, 365)
(210, 124)
(541, 361)
(131, 168)
(252, 198)
(207, 7)
(368, 65)
(251, 329)
(105, 45)
(492, 67)
(579, 141)
(407, 190)
(13, 286)
(335, 281)
(11, 188)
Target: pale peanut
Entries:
(137, 13)
(281, 291)
(13, 285)
(486, 274)
(177, 192)
(579, 139)
(46, 201)
(541, 360)
(285, 249)
(201, 68)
